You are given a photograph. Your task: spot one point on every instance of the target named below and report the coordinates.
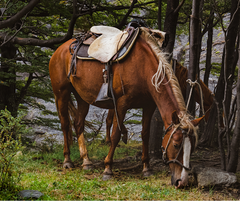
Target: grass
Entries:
(43, 172)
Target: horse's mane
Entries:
(165, 68)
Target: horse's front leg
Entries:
(115, 138)
(146, 122)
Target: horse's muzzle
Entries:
(165, 42)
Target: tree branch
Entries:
(179, 7)
(43, 43)
(11, 21)
(24, 89)
(124, 20)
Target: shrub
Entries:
(10, 144)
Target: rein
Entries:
(164, 156)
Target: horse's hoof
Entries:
(147, 173)
(87, 167)
(124, 139)
(107, 177)
(68, 165)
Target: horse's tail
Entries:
(71, 112)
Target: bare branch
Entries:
(179, 7)
(123, 22)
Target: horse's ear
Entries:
(195, 122)
(175, 119)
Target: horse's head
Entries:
(178, 144)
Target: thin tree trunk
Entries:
(155, 141)
(170, 23)
(209, 51)
(160, 14)
(195, 42)
(233, 160)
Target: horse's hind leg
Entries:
(62, 107)
(79, 120)
(109, 121)
(146, 121)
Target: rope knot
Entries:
(191, 83)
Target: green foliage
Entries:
(9, 147)
(10, 125)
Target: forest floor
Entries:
(131, 166)
(43, 171)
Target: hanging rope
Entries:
(192, 84)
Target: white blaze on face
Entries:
(186, 158)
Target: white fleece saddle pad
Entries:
(108, 44)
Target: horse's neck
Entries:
(165, 98)
(166, 103)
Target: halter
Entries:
(164, 156)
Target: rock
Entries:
(30, 194)
(211, 177)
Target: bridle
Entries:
(164, 156)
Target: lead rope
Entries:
(192, 84)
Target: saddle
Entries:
(107, 44)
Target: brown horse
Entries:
(148, 81)
(181, 73)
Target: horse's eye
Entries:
(176, 146)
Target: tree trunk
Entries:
(8, 79)
(209, 135)
(194, 51)
(155, 140)
(160, 14)
(233, 160)
(209, 51)
(170, 23)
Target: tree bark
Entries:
(194, 51)
(233, 160)
(209, 51)
(170, 23)
(160, 14)
(8, 80)
(156, 131)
